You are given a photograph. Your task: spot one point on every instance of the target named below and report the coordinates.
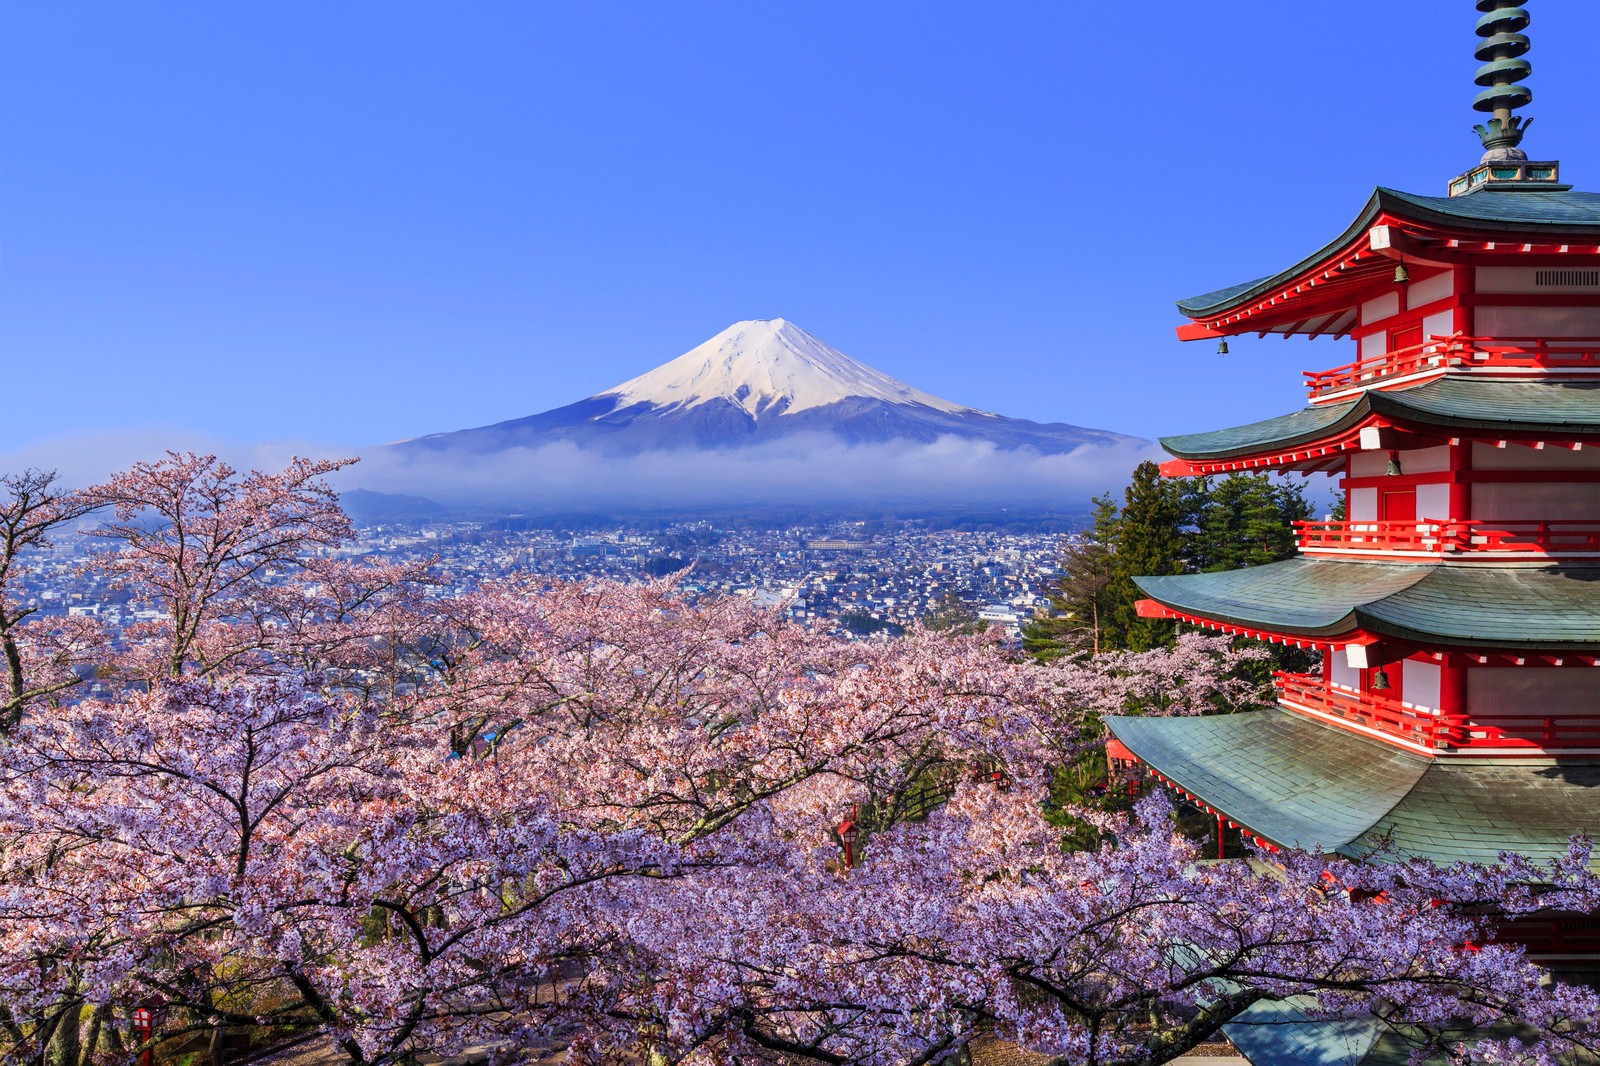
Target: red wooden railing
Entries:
(1544, 538)
(1443, 353)
(1372, 710)
(1531, 733)
(1440, 536)
(1535, 732)
(1417, 535)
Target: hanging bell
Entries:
(1393, 469)
(1401, 275)
(1380, 680)
(1222, 349)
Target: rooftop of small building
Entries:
(1290, 1032)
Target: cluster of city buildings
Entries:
(874, 579)
(877, 579)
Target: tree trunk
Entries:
(64, 1048)
(98, 1020)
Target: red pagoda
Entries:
(1456, 603)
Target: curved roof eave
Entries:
(1305, 426)
(1570, 212)
(1210, 304)
(1496, 407)
(1306, 784)
(1549, 608)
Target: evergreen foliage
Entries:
(1150, 542)
(1243, 520)
(1086, 596)
(1164, 526)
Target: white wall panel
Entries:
(1433, 501)
(1502, 501)
(1430, 289)
(1537, 321)
(1419, 685)
(1533, 690)
(1385, 306)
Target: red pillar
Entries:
(1453, 688)
(1460, 487)
(1222, 842)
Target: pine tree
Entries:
(1150, 543)
(1246, 520)
(1082, 603)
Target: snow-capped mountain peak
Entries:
(769, 366)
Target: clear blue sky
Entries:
(357, 221)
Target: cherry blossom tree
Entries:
(410, 822)
(230, 842)
(1131, 954)
(203, 542)
(42, 660)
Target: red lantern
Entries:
(849, 833)
(144, 1026)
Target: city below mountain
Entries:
(763, 404)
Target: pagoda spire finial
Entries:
(1501, 52)
(1505, 166)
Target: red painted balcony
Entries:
(1423, 728)
(1483, 732)
(1438, 355)
(1439, 537)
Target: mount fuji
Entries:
(758, 382)
(762, 416)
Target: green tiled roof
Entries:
(1530, 212)
(1472, 813)
(1253, 767)
(1549, 608)
(1287, 1032)
(1299, 427)
(1303, 596)
(1464, 402)
(1553, 607)
(1458, 402)
(1303, 784)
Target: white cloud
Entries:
(794, 470)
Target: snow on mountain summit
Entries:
(769, 366)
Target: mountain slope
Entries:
(754, 382)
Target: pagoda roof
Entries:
(1537, 213)
(1302, 784)
(1540, 608)
(1291, 1032)
(1252, 767)
(1457, 403)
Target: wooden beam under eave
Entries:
(1195, 331)
(1396, 243)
